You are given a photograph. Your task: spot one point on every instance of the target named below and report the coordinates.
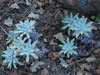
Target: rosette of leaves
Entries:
(81, 26)
(69, 20)
(10, 57)
(11, 36)
(25, 27)
(19, 43)
(68, 47)
(29, 50)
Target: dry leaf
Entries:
(36, 65)
(97, 51)
(91, 59)
(52, 43)
(79, 73)
(15, 6)
(32, 15)
(85, 66)
(28, 2)
(98, 70)
(8, 21)
(63, 63)
(44, 72)
(59, 36)
(45, 40)
(57, 54)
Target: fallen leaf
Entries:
(50, 55)
(98, 70)
(44, 72)
(96, 51)
(40, 11)
(8, 21)
(2, 48)
(28, 2)
(45, 40)
(79, 73)
(36, 65)
(15, 6)
(59, 36)
(91, 59)
(57, 54)
(32, 15)
(85, 66)
(52, 43)
(63, 63)
(45, 27)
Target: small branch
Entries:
(76, 62)
(3, 30)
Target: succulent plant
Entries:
(78, 25)
(19, 42)
(81, 26)
(29, 49)
(11, 36)
(20, 45)
(25, 27)
(69, 20)
(68, 47)
(10, 57)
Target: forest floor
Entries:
(48, 26)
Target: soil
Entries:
(48, 25)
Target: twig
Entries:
(3, 30)
(56, 69)
(76, 62)
(24, 72)
(74, 69)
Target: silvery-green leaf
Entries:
(10, 57)
(80, 26)
(68, 47)
(25, 27)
